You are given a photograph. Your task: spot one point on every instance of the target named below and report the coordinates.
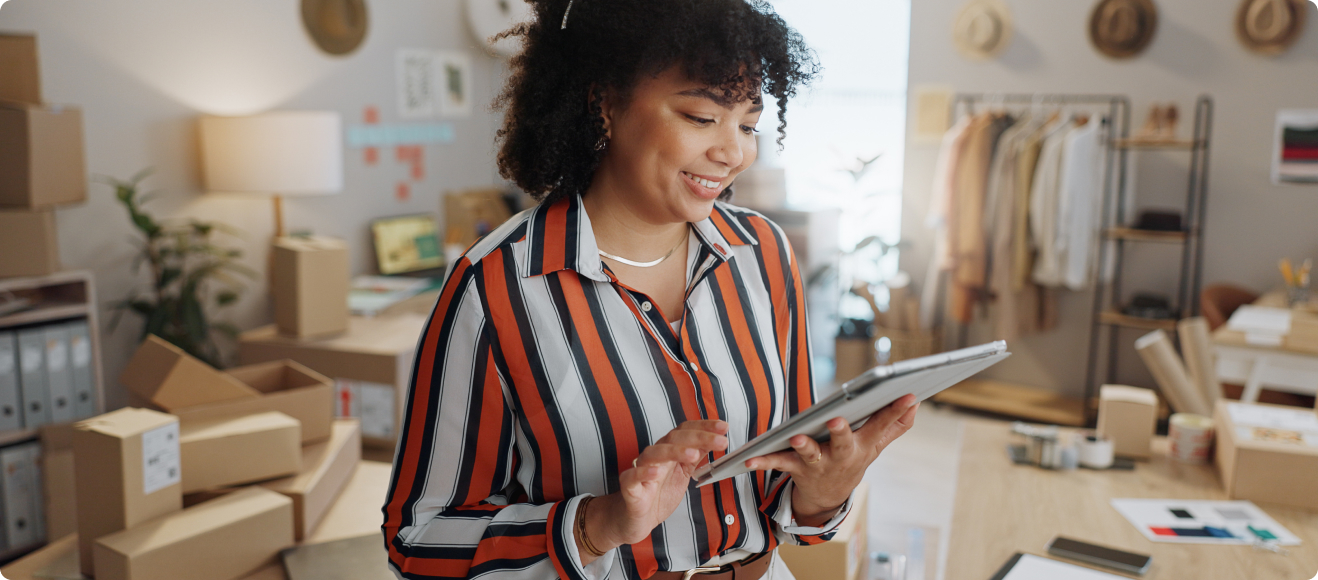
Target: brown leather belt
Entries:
(753, 568)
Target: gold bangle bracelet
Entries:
(580, 528)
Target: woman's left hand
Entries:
(824, 475)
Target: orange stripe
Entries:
(615, 402)
(773, 270)
(510, 336)
(437, 567)
(805, 396)
(741, 332)
(487, 441)
(713, 519)
(729, 233)
(555, 235)
(405, 473)
(643, 557)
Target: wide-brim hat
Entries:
(1123, 28)
(1270, 26)
(337, 26)
(982, 29)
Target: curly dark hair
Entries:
(551, 103)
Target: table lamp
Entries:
(278, 153)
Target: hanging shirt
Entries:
(540, 377)
(1044, 200)
(1080, 203)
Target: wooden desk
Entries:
(1280, 368)
(1003, 508)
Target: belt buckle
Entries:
(699, 570)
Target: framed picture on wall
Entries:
(1295, 147)
(453, 71)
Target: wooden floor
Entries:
(1013, 400)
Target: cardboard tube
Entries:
(1199, 359)
(1156, 350)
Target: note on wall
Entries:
(1295, 147)
(433, 83)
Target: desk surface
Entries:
(1003, 508)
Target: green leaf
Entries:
(226, 297)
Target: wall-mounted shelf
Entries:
(1138, 235)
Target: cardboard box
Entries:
(1128, 416)
(127, 471)
(1267, 453)
(371, 365)
(284, 386)
(227, 451)
(172, 379)
(470, 214)
(20, 73)
(842, 558)
(326, 468)
(58, 480)
(30, 243)
(218, 540)
(57, 557)
(41, 156)
(309, 286)
(357, 511)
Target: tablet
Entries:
(859, 398)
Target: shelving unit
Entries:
(65, 296)
(1108, 296)
(62, 297)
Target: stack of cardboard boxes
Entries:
(41, 159)
(221, 474)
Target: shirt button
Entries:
(695, 368)
(646, 306)
(720, 249)
(729, 520)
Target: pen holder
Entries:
(1297, 296)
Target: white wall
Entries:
(1250, 223)
(143, 71)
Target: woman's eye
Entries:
(700, 120)
(749, 130)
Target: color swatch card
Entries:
(1203, 522)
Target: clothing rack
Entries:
(1117, 113)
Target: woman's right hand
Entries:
(655, 487)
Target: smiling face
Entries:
(674, 147)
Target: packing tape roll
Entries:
(1095, 451)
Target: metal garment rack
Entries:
(1115, 165)
(1108, 296)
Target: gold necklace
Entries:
(645, 264)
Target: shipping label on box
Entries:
(161, 463)
(373, 403)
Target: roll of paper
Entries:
(1096, 451)
(1168, 370)
(1199, 359)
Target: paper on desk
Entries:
(1031, 567)
(1202, 522)
(1254, 422)
(1262, 325)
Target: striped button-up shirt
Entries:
(540, 377)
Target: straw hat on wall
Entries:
(1270, 26)
(982, 29)
(337, 26)
(1123, 28)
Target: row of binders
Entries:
(46, 375)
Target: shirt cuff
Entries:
(561, 537)
(787, 522)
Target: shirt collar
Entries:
(559, 237)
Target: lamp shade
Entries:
(284, 152)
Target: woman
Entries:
(588, 355)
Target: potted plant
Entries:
(191, 276)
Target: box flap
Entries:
(230, 426)
(125, 422)
(167, 530)
(172, 379)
